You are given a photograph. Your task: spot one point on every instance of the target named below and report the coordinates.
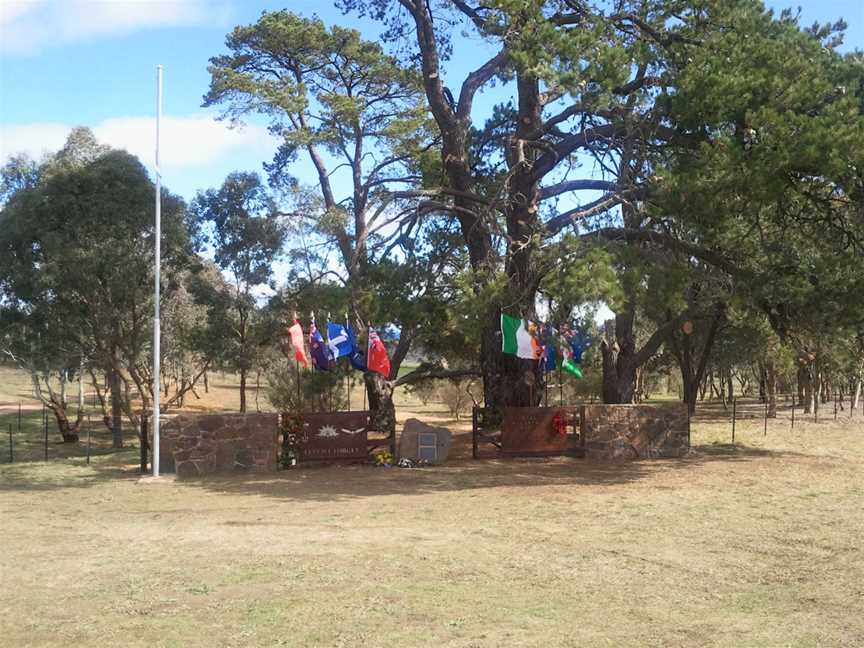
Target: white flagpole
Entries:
(157, 387)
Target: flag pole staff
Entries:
(368, 328)
(545, 372)
(348, 373)
(560, 381)
(297, 361)
(157, 238)
(327, 353)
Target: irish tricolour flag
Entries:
(518, 339)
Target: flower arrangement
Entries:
(384, 458)
(291, 426)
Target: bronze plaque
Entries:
(334, 436)
(531, 431)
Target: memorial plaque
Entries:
(532, 431)
(427, 446)
(334, 436)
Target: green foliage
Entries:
(319, 391)
(239, 221)
(76, 272)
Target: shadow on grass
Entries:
(347, 482)
(69, 472)
(335, 483)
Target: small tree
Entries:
(241, 224)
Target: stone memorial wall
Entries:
(624, 432)
(193, 445)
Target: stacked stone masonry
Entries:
(626, 432)
(201, 444)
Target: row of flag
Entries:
(541, 342)
(341, 342)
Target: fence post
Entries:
(765, 431)
(793, 412)
(89, 428)
(835, 407)
(19, 417)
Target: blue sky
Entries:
(92, 62)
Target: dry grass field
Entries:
(753, 544)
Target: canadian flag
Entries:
(376, 356)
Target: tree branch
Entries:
(430, 371)
(551, 191)
(668, 242)
(475, 80)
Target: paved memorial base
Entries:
(435, 444)
(622, 432)
(200, 444)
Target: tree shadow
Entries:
(352, 482)
(355, 481)
(69, 472)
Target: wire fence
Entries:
(788, 407)
(31, 433)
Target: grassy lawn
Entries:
(752, 544)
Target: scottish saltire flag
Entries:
(339, 342)
(518, 338)
(356, 358)
(318, 350)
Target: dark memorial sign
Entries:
(534, 431)
(334, 436)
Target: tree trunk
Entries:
(257, 389)
(856, 393)
(242, 389)
(382, 413)
(81, 386)
(116, 410)
(771, 386)
(763, 392)
(68, 430)
(805, 387)
(693, 366)
(617, 349)
(401, 351)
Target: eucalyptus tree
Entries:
(242, 225)
(76, 260)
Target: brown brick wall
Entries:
(622, 432)
(199, 444)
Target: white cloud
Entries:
(33, 139)
(189, 141)
(29, 26)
